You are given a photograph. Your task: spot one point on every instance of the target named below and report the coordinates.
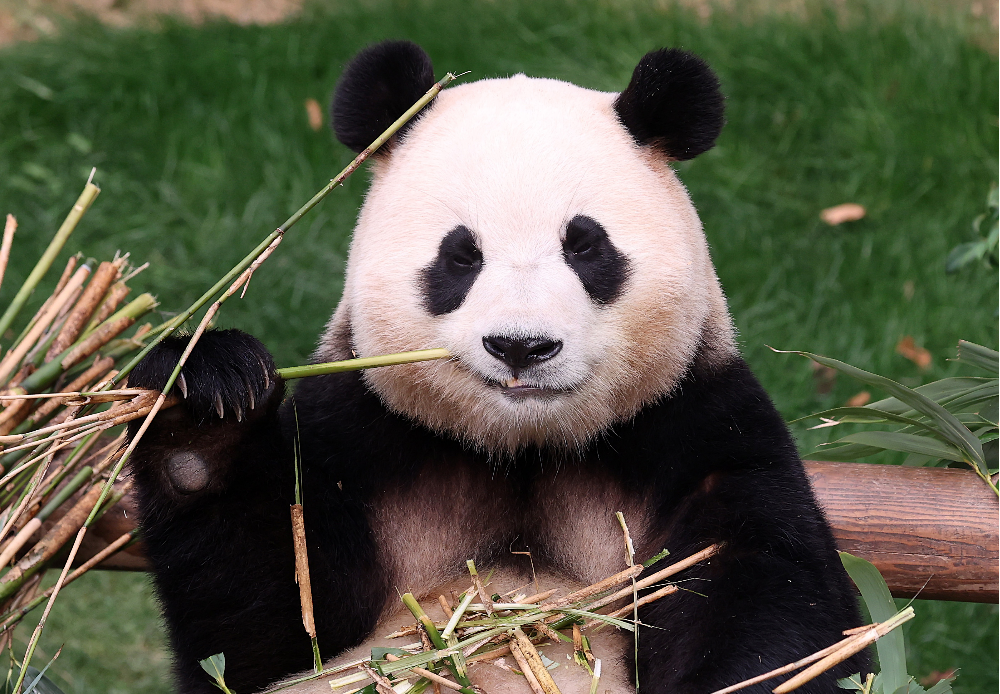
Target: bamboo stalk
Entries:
(92, 374)
(534, 661)
(15, 356)
(115, 295)
(443, 601)
(90, 192)
(22, 537)
(665, 573)
(104, 276)
(382, 685)
(428, 675)
(8, 239)
(859, 642)
(333, 367)
(599, 587)
(522, 662)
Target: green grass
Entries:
(202, 145)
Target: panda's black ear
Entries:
(377, 87)
(673, 103)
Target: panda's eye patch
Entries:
(601, 267)
(447, 280)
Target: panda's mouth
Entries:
(516, 388)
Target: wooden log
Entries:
(919, 526)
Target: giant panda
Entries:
(537, 231)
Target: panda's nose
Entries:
(521, 352)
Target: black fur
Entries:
(714, 458)
(673, 103)
(599, 265)
(447, 280)
(377, 87)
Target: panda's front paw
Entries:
(229, 376)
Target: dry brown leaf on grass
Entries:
(936, 676)
(859, 399)
(315, 113)
(909, 349)
(838, 214)
(825, 377)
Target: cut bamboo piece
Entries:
(115, 296)
(15, 356)
(302, 569)
(520, 642)
(599, 587)
(104, 276)
(522, 662)
(8, 239)
(99, 368)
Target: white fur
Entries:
(514, 160)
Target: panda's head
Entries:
(536, 230)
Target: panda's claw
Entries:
(229, 375)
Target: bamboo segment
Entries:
(15, 356)
(91, 375)
(85, 306)
(599, 587)
(8, 239)
(522, 662)
(115, 295)
(29, 529)
(522, 643)
(302, 569)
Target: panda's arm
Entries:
(726, 471)
(214, 480)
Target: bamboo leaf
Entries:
(214, 665)
(950, 428)
(981, 357)
(905, 443)
(864, 415)
(946, 388)
(878, 600)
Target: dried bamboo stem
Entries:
(445, 607)
(99, 368)
(520, 642)
(302, 570)
(428, 675)
(522, 662)
(104, 276)
(599, 587)
(115, 295)
(22, 537)
(658, 576)
(631, 607)
(15, 356)
(382, 685)
(858, 643)
(8, 239)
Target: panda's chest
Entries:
(516, 522)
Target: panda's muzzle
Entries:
(521, 352)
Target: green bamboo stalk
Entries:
(90, 192)
(452, 663)
(333, 367)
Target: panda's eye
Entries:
(582, 241)
(467, 258)
(450, 275)
(601, 267)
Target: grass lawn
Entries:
(203, 146)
